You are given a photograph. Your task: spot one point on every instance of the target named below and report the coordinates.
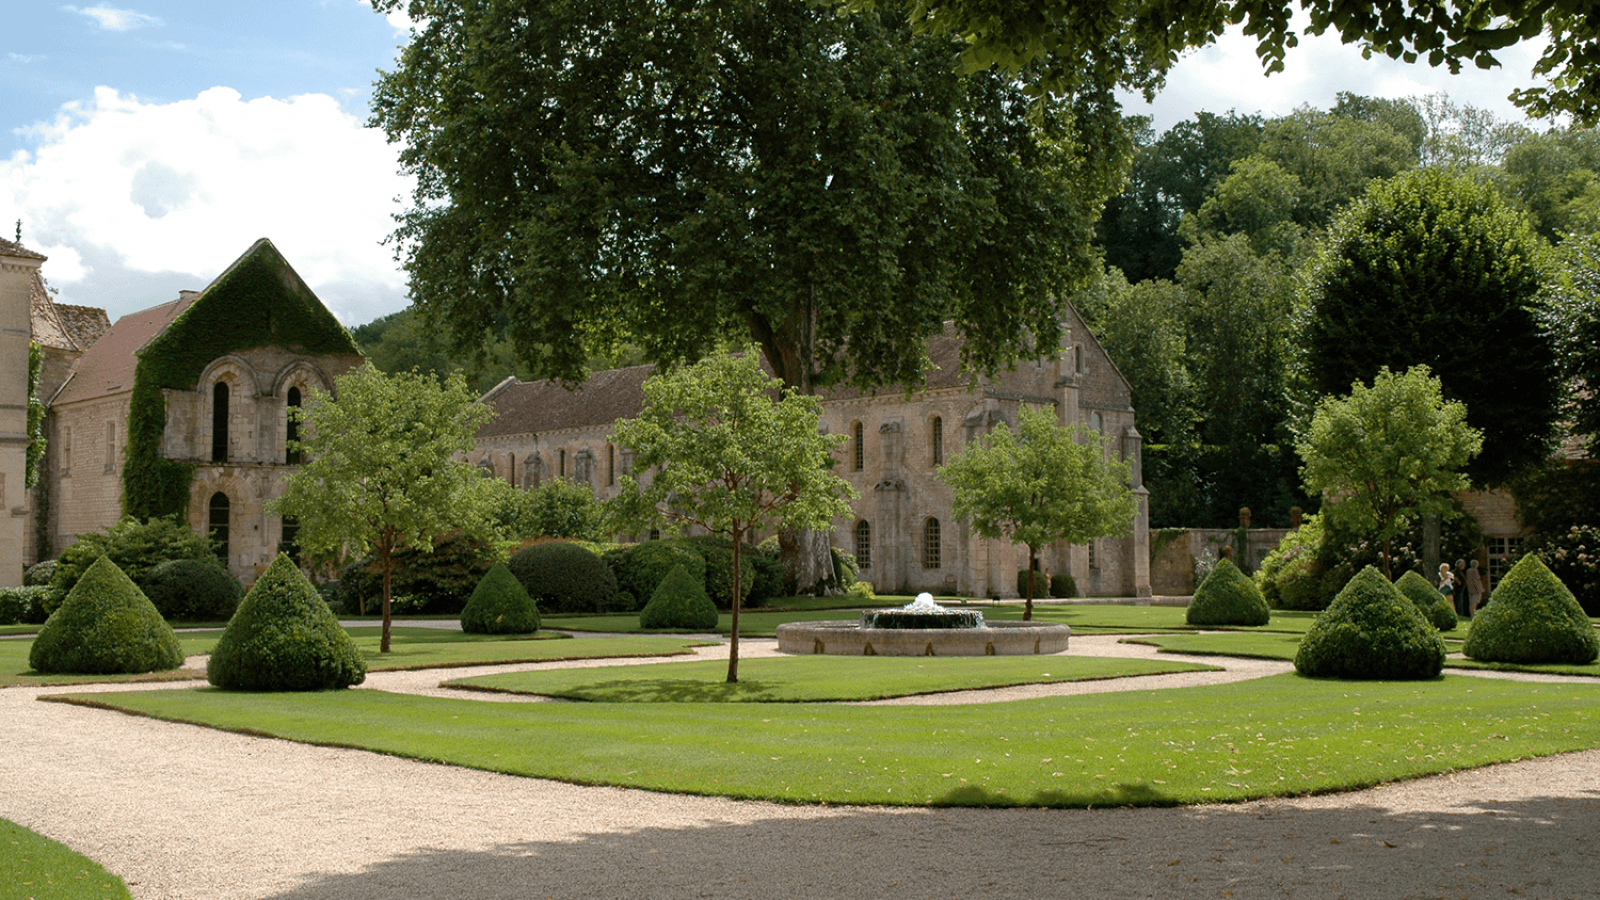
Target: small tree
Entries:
(732, 451)
(1047, 483)
(382, 471)
(1388, 453)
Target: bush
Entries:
(1227, 597)
(556, 509)
(1371, 631)
(39, 574)
(639, 568)
(1574, 557)
(105, 626)
(358, 588)
(862, 592)
(23, 605)
(1313, 563)
(844, 568)
(1435, 607)
(718, 554)
(438, 581)
(193, 590)
(284, 638)
(679, 602)
(1041, 584)
(500, 605)
(765, 573)
(136, 547)
(1532, 618)
(1063, 585)
(564, 578)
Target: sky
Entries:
(145, 147)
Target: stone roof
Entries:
(85, 324)
(17, 251)
(107, 367)
(531, 407)
(63, 326)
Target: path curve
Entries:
(187, 812)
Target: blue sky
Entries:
(145, 145)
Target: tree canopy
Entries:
(729, 449)
(1042, 484)
(382, 472)
(675, 172)
(1387, 453)
(1435, 268)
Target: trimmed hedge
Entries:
(23, 605)
(1371, 631)
(640, 568)
(679, 602)
(1063, 585)
(565, 578)
(284, 638)
(1434, 606)
(1041, 585)
(1227, 597)
(718, 554)
(193, 590)
(136, 547)
(106, 626)
(1532, 618)
(500, 605)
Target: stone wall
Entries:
(16, 331)
(1172, 568)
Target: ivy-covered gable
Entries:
(259, 301)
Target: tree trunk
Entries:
(1033, 573)
(738, 588)
(808, 562)
(386, 561)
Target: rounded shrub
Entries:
(1532, 618)
(39, 574)
(1041, 585)
(284, 638)
(105, 626)
(1227, 597)
(500, 605)
(1434, 606)
(193, 590)
(1062, 584)
(679, 602)
(639, 568)
(563, 577)
(1371, 631)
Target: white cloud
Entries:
(1227, 75)
(122, 189)
(397, 19)
(112, 19)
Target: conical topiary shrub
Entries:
(1532, 618)
(500, 605)
(105, 626)
(1434, 606)
(1371, 630)
(679, 602)
(284, 638)
(1227, 597)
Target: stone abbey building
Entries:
(179, 409)
(902, 534)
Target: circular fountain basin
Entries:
(995, 639)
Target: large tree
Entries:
(1434, 268)
(728, 448)
(1043, 484)
(1388, 453)
(382, 471)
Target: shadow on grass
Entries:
(1541, 847)
(674, 690)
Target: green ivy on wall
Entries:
(258, 302)
(36, 439)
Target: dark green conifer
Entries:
(1227, 597)
(284, 638)
(679, 602)
(1532, 618)
(1373, 631)
(500, 605)
(105, 626)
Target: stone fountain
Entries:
(922, 628)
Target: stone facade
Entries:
(232, 426)
(901, 533)
(19, 267)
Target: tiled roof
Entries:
(14, 249)
(107, 368)
(48, 329)
(531, 407)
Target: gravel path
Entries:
(186, 812)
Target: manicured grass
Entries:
(1283, 735)
(1254, 646)
(413, 648)
(19, 629)
(36, 868)
(812, 678)
(752, 623)
(1592, 670)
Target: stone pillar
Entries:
(1139, 541)
(18, 267)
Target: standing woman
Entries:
(1447, 586)
(1474, 583)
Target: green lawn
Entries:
(1277, 736)
(812, 678)
(752, 623)
(413, 648)
(33, 867)
(1254, 646)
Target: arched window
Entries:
(611, 464)
(218, 525)
(858, 460)
(291, 454)
(290, 544)
(938, 441)
(111, 447)
(930, 543)
(66, 450)
(863, 545)
(219, 422)
(561, 465)
(1099, 424)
